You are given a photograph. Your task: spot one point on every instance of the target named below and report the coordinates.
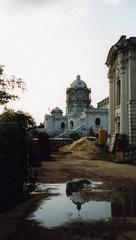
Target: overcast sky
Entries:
(48, 42)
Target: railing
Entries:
(69, 131)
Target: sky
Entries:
(48, 43)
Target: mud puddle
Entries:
(82, 200)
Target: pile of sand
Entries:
(83, 144)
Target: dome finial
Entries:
(78, 77)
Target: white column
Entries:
(123, 97)
(111, 101)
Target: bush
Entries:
(13, 152)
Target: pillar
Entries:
(111, 100)
(123, 96)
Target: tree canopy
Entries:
(22, 119)
(7, 85)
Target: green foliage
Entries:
(20, 119)
(6, 97)
(7, 85)
(14, 130)
(13, 152)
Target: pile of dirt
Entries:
(83, 144)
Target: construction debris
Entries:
(83, 144)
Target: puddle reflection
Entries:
(83, 200)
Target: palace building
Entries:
(121, 62)
(81, 117)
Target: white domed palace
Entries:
(81, 116)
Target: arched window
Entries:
(62, 125)
(71, 124)
(97, 121)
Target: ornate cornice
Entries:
(121, 47)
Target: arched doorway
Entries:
(71, 124)
(97, 122)
(62, 125)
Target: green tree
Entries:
(21, 119)
(14, 127)
(7, 85)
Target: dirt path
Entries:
(63, 167)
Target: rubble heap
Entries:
(83, 144)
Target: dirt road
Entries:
(67, 166)
(20, 221)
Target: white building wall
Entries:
(81, 122)
(91, 120)
(121, 62)
(53, 124)
(49, 124)
(132, 96)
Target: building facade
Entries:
(81, 116)
(104, 104)
(121, 61)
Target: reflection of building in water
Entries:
(79, 198)
(76, 196)
(75, 186)
(80, 192)
(122, 200)
(123, 203)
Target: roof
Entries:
(56, 110)
(78, 83)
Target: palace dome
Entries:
(56, 111)
(78, 83)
